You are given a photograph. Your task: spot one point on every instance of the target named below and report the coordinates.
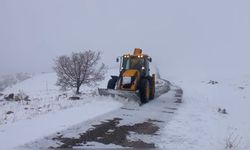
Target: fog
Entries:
(183, 37)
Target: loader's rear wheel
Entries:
(144, 90)
(111, 83)
(152, 89)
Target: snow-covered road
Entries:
(130, 126)
(49, 113)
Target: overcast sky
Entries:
(182, 36)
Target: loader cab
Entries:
(133, 62)
(134, 76)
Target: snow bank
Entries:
(12, 135)
(200, 123)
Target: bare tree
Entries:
(79, 69)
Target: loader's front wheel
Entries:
(111, 83)
(144, 90)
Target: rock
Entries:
(17, 98)
(74, 98)
(224, 111)
(5, 97)
(1, 94)
(213, 82)
(242, 88)
(9, 112)
(9, 97)
(26, 98)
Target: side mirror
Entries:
(117, 59)
(150, 59)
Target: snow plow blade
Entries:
(162, 86)
(124, 94)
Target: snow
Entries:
(48, 111)
(44, 97)
(199, 125)
(98, 146)
(21, 132)
(156, 112)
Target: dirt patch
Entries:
(127, 108)
(9, 112)
(169, 112)
(153, 120)
(178, 95)
(74, 98)
(170, 108)
(127, 115)
(109, 132)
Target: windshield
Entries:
(132, 62)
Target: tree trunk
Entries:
(78, 85)
(78, 90)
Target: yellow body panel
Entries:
(131, 73)
(137, 51)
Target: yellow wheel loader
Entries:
(134, 80)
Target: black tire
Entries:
(112, 83)
(144, 90)
(152, 89)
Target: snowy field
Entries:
(201, 122)
(44, 97)
(213, 114)
(48, 109)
